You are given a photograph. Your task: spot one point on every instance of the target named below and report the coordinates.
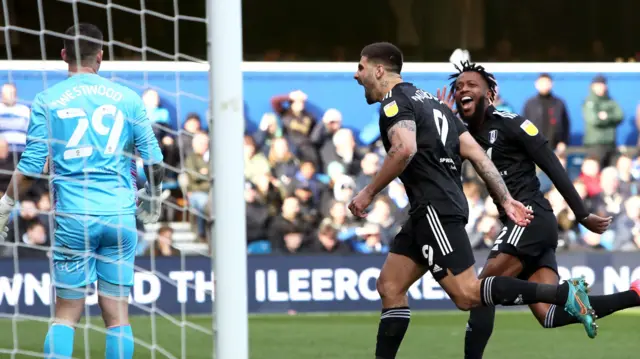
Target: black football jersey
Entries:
(433, 175)
(509, 139)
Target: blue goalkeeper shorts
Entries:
(91, 248)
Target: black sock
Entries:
(603, 305)
(509, 291)
(393, 324)
(479, 329)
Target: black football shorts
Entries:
(441, 244)
(534, 245)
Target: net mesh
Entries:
(173, 263)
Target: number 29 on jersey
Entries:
(74, 149)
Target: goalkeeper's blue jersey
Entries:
(89, 127)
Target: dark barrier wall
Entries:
(279, 284)
(338, 90)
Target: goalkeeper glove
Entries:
(149, 203)
(6, 206)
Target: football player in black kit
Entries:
(515, 146)
(425, 146)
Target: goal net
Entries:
(171, 302)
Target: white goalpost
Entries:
(227, 167)
(219, 329)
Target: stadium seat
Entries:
(259, 247)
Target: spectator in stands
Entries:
(157, 115)
(192, 126)
(501, 105)
(14, 119)
(549, 113)
(197, 168)
(284, 164)
(297, 123)
(269, 194)
(602, 116)
(287, 222)
(382, 215)
(8, 161)
(487, 228)
(34, 243)
(292, 243)
(627, 226)
(44, 212)
(638, 120)
(343, 151)
(308, 178)
(255, 162)
(476, 204)
(309, 213)
(257, 214)
(170, 151)
(342, 220)
(322, 134)
(628, 186)
(163, 244)
(609, 201)
(590, 175)
(371, 240)
(398, 195)
(325, 240)
(268, 130)
(369, 165)
(27, 216)
(566, 219)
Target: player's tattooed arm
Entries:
(403, 140)
(485, 168)
(402, 136)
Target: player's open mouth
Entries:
(467, 103)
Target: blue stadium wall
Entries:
(279, 284)
(186, 92)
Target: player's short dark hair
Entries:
(193, 116)
(89, 45)
(467, 66)
(544, 75)
(385, 53)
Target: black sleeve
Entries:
(549, 163)
(460, 126)
(393, 110)
(535, 145)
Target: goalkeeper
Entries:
(89, 127)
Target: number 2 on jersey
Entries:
(97, 125)
(443, 130)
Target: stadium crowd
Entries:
(301, 172)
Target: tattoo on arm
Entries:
(398, 146)
(489, 173)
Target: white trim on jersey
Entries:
(438, 231)
(387, 95)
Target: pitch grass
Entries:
(437, 335)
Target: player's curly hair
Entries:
(467, 66)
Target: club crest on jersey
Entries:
(529, 128)
(390, 109)
(493, 136)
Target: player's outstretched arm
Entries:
(471, 150)
(402, 136)
(536, 146)
(549, 163)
